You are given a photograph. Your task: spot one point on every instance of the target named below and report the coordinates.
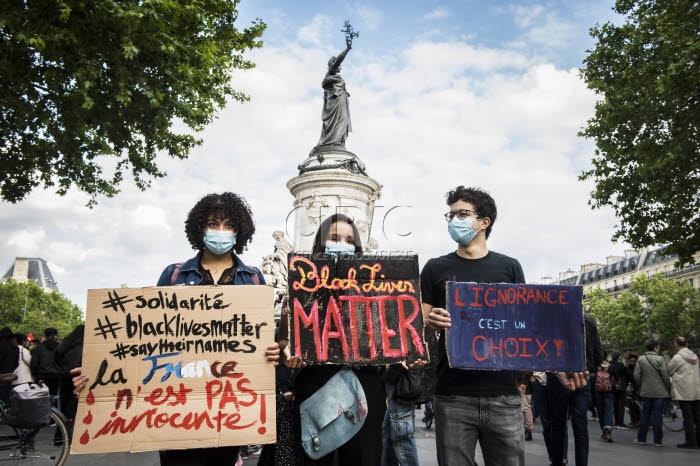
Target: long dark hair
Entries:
(322, 233)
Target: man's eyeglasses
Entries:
(460, 214)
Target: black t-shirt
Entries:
(492, 268)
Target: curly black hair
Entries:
(221, 206)
(483, 203)
(320, 239)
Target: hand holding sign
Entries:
(572, 381)
(439, 319)
(79, 381)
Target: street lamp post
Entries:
(26, 295)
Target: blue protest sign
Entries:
(515, 326)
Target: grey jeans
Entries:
(495, 421)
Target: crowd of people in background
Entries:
(47, 361)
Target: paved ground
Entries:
(622, 452)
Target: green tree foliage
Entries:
(44, 309)
(83, 83)
(658, 306)
(673, 307)
(647, 125)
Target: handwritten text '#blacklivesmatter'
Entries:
(311, 281)
(176, 326)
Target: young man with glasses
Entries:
(471, 405)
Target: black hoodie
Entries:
(44, 360)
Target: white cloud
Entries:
(370, 16)
(541, 26)
(437, 13)
(316, 31)
(27, 242)
(525, 16)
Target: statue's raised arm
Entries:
(339, 59)
(336, 109)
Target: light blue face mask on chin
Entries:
(461, 230)
(336, 249)
(219, 242)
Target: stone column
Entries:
(331, 182)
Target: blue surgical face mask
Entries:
(461, 230)
(219, 241)
(337, 249)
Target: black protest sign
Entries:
(355, 309)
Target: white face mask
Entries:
(337, 249)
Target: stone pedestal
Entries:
(331, 182)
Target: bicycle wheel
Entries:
(40, 446)
(8, 435)
(673, 419)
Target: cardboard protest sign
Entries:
(515, 326)
(355, 309)
(176, 367)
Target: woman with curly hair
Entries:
(218, 227)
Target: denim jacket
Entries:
(191, 275)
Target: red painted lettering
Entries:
(212, 389)
(353, 302)
(498, 347)
(387, 333)
(524, 341)
(557, 345)
(333, 316)
(531, 295)
(476, 302)
(562, 297)
(457, 301)
(476, 355)
(125, 392)
(161, 420)
(486, 297)
(405, 324)
(241, 386)
(227, 370)
(541, 347)
(541, 297)
(311, 319)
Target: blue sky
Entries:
(442, 93)
(555, 30)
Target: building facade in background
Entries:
(615, 276)
(36, 269)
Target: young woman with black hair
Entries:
(338, 234)
(218, 227)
